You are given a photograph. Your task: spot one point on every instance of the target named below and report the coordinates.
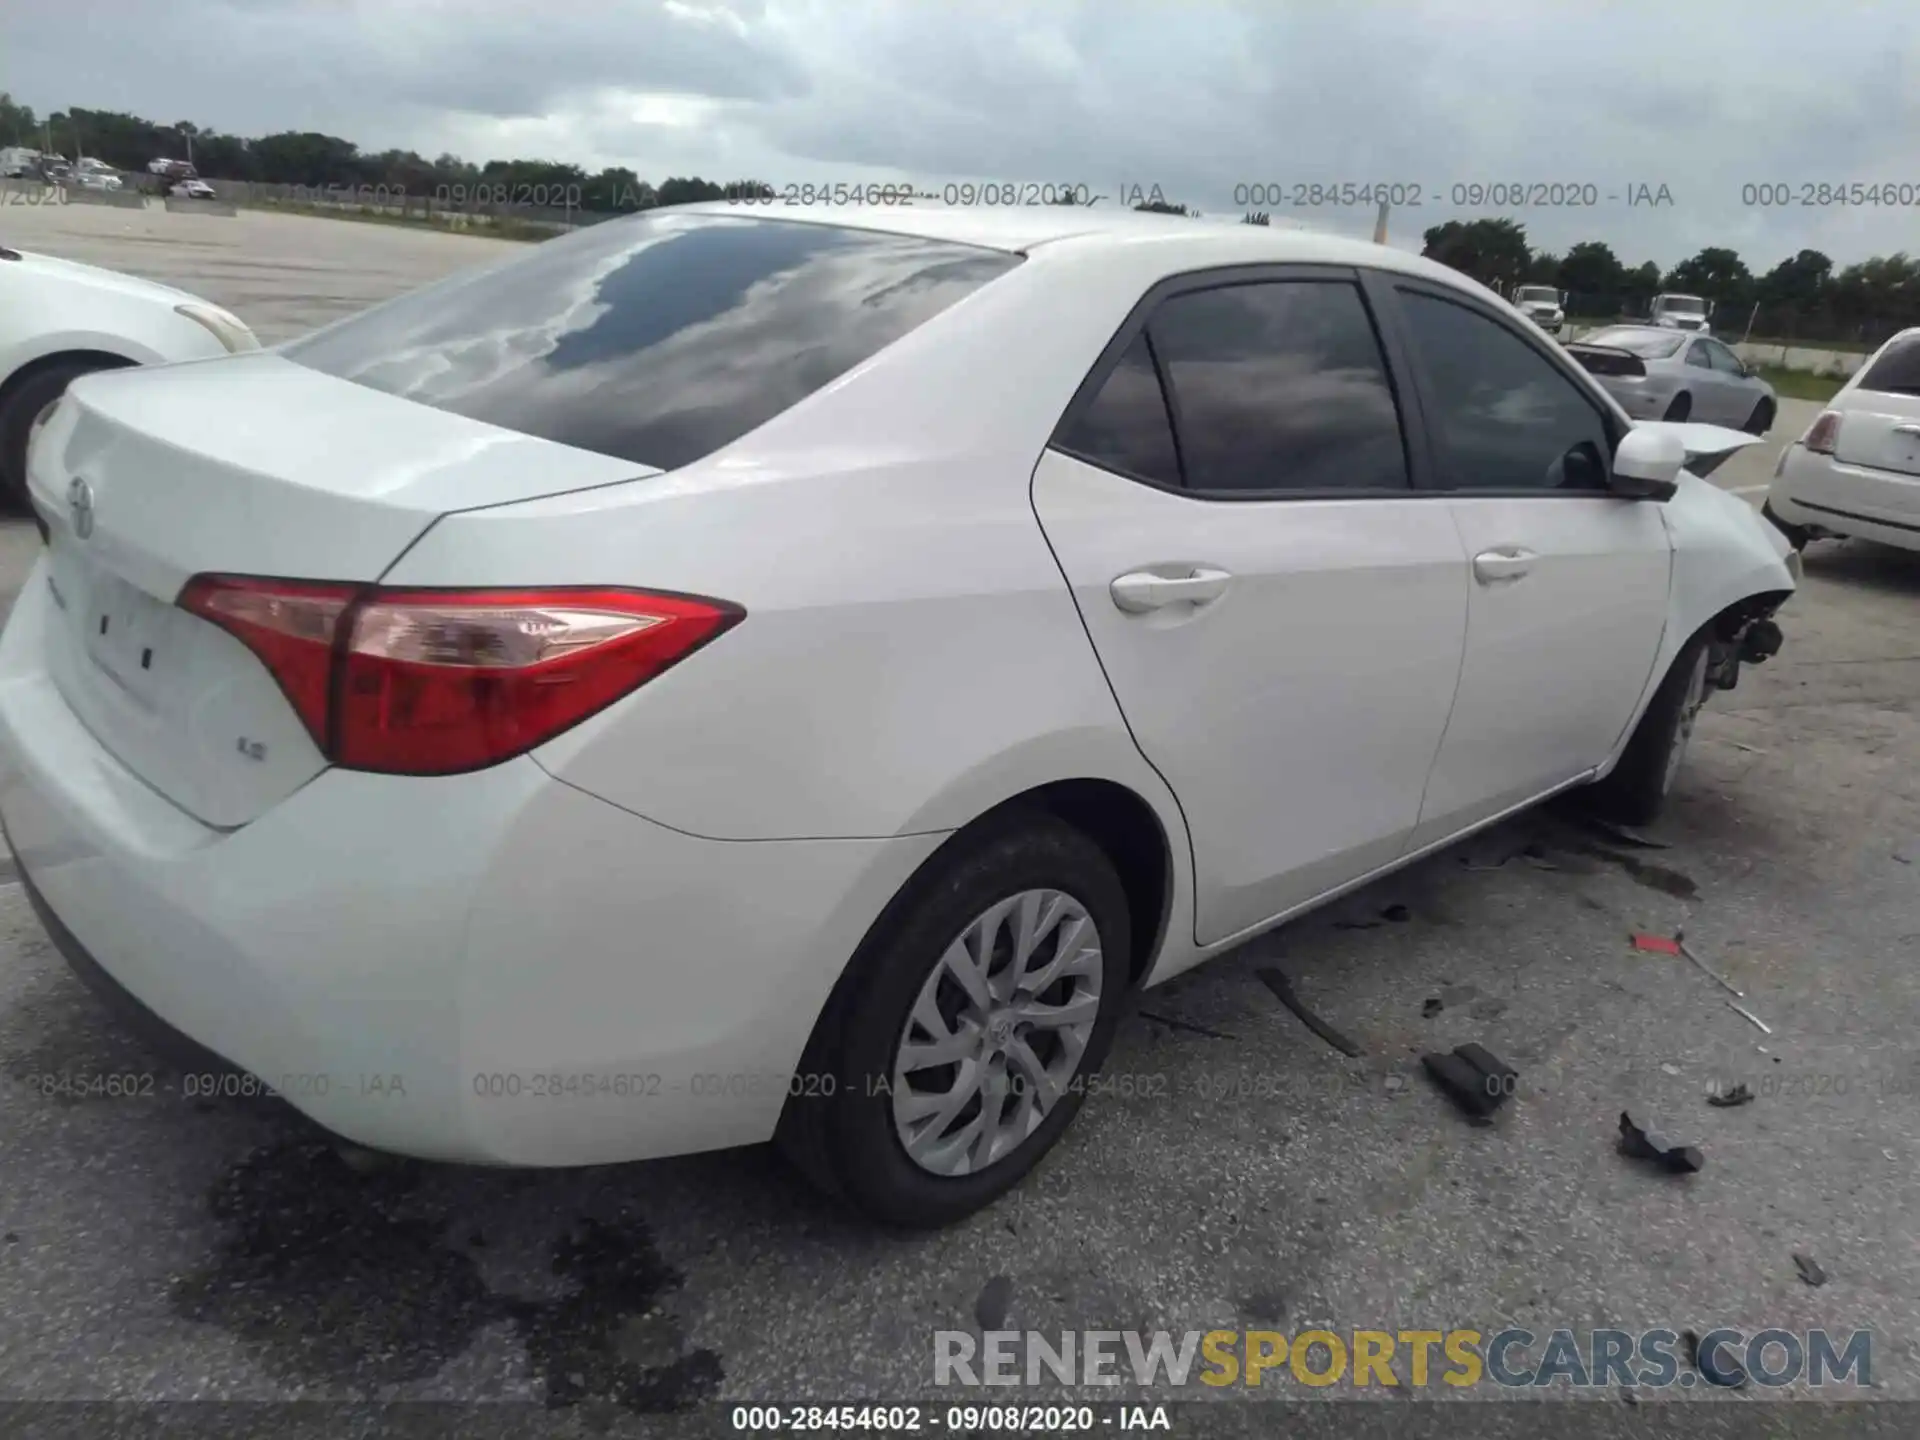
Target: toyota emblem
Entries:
(80, 502)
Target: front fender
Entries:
(1724, 552)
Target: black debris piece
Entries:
(1648, 1145)
(1398, 914)
(1173, 1022)
(1433, 1006)
(991, 1308)
(1809, 1269)
(10, 1238)
(1501, 1077)
(1282, 988)
(1475, 1079)
(1740, 1094)
(1626, 834)
(1356, 924)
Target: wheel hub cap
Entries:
(997, 1032)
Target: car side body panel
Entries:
(50, 307)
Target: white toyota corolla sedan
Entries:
(60, 320)
(724, 675)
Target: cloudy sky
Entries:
(1199, 97)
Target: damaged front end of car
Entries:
(1743, 634)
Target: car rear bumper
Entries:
(492, 968)
(1642, 397)
(1819, 493)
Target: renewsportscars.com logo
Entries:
(1511, 1358)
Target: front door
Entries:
(1280, 616)
(1568, 596)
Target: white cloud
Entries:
(1196, 96)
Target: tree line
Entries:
(1803, 294)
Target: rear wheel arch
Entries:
(1118, 822)
(93, 359)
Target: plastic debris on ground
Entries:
(1282, 988)
(1474, 1078)
(1639, 1144)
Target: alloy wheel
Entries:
(997, 1032)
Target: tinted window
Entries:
(1279, 386)
(1724, 359)
(1647, 344)
(1697, 356)
(1126, 428)
(656, 339)
(1508, 420)
(1897, 370)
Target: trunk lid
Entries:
(250, 465)
(1880, 431)
(1606, 359)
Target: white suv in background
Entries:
(1856, 472)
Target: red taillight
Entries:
(430, 682)
(1823, 434)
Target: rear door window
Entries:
(1126, 428)
(1279, 386)
(656, 339)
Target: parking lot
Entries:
(160, 1246)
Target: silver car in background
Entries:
(1660, 374)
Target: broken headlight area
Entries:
(1743, 634)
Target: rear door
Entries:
(1704, 388)
(1737, 396)
(1280, 613)
(1569, 591)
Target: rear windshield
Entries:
(657, 339)
(1897, 370)
(1647, 344)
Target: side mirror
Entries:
(1647, 463)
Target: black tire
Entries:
(1761, 420)
(1797, 535)
(1636, 791)
(1679, 407)
(22, 405)
(838, 1128)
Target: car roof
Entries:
(1189, 241)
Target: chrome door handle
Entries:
(1139, 591)
(1490, 567)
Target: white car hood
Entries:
(76, 273)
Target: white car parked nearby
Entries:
(1856, 472)
(716, 677)
(60, 320)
